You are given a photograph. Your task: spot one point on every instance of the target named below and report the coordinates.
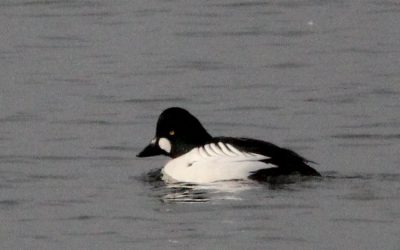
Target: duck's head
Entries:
(177, 132)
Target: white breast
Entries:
(213, 162)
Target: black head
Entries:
(177, 132)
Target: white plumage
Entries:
(213, 162)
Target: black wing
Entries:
(287, 161)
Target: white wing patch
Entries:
(226, 152)
(214, 162)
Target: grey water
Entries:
(83, 82)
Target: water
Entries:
(82, 84)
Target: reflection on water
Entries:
(223, 190)
(361, 187)
(185, 192)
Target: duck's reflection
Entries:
(184, 192)
(187, 192)
(168, 191)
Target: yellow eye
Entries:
(172, 132)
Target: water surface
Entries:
(82, 84)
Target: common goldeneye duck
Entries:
(197, 157)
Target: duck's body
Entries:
(197, 157)
(214, 162)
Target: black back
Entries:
(287, 161)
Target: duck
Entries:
(199, 158)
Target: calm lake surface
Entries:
(83, 82)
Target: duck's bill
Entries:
(151, 150)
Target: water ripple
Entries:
(367, 136)
(288, 65)
(201, 65)
(40, 158)
(361, 220)
(154, 100)
(80, 218)
(41, 3)
(10, 203)
(118, 148)
(20, 117)
(241, 4)
(84, 122)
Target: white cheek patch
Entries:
(165, 144)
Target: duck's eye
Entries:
(172, 132)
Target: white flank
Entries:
(165, 144)
(213, 162)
